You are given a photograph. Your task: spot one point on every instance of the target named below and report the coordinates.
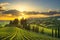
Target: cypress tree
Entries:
(58, 33)
(55, 32)
(52, 33)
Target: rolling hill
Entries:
(14, 33)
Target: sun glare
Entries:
(22, 9)
(23, 16)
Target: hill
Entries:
(14, 33)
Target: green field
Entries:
(40, 29)
(14, 33)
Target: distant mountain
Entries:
(13, 12)
(46, 13)
(50, 13)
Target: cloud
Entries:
(12, 12)
(3, 4)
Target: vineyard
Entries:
(14, 33)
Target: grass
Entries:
(47, 31)
(14, 33)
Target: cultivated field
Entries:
(14, 33)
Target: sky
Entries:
(32, 5)
(28, 5)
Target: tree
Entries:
(28, 27)
(58, 32)
(11, 22)
(52, 33)
(37, 29)
(55, 32)
(42, 30)
(15, 22)
(33, 28)
(58, 25)
(24, 23)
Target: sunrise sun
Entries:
(22, 9)
(23, 15)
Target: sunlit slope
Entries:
(14, 33)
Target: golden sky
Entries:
(29, 5)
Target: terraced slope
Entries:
(14, 33)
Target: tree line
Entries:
(23, 24)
